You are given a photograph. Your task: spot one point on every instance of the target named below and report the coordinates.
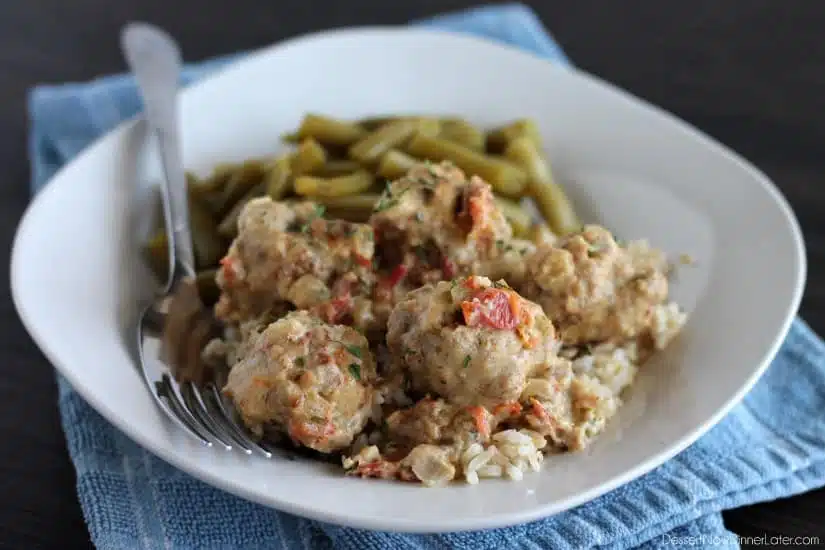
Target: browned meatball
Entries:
(305, 378)
(595, 290)
(470, 341)
(434, 224)
(288, 253)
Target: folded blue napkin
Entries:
(772, 445)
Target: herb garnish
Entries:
(355, 370)
(466, 361)
(386, 200)
(300, 361)
(319, 212)
(354, 350)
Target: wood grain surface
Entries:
(751, 74)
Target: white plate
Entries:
(76, 275)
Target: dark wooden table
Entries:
(751, 74)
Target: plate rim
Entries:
(402, 524)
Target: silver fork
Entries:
(197, 406)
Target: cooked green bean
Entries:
(499, 138)
(334, 168)
(373, 123)
(208, 286)
(197, 188)
(550, 197)
(354, 183)
(329, 131)
(242, 178)
(362, 202)
(309, 156)
(279, 178)
(157, 255)
(353, 208)
(395, 164)
(207, 242)
(503, 176)
(519, 219)
(229, 224)
(462, 132)
(369, 150)
(210, 189)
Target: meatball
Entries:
(308, 379)
(595, 290)
(435, 224)
(290, 254)
(469, 341)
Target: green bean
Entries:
(361, 202)
(196, 188)
(242, 178)
(550, 197)
(395, 164)
(329, 131)
(210, 189)
(229, 224)
(499, 138)
(462, 132)
(333, 168)
(208, 286)
(354, 183)
(353, 208)
(369, 150)
(279, 178)
(503, 176)
(157, 255)
(518, 219)
(309, 156)
(207, 242)
(373, 123)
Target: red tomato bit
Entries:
(491, 307)
(397, 275)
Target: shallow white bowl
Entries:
(77, 276)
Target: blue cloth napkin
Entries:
(772, 445)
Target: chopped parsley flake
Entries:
(500, 243)
(386, 199)
(300, 361)
(354, 350)
(466, 361)
(355, 371)
(319, 212)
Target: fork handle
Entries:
(155, 62)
